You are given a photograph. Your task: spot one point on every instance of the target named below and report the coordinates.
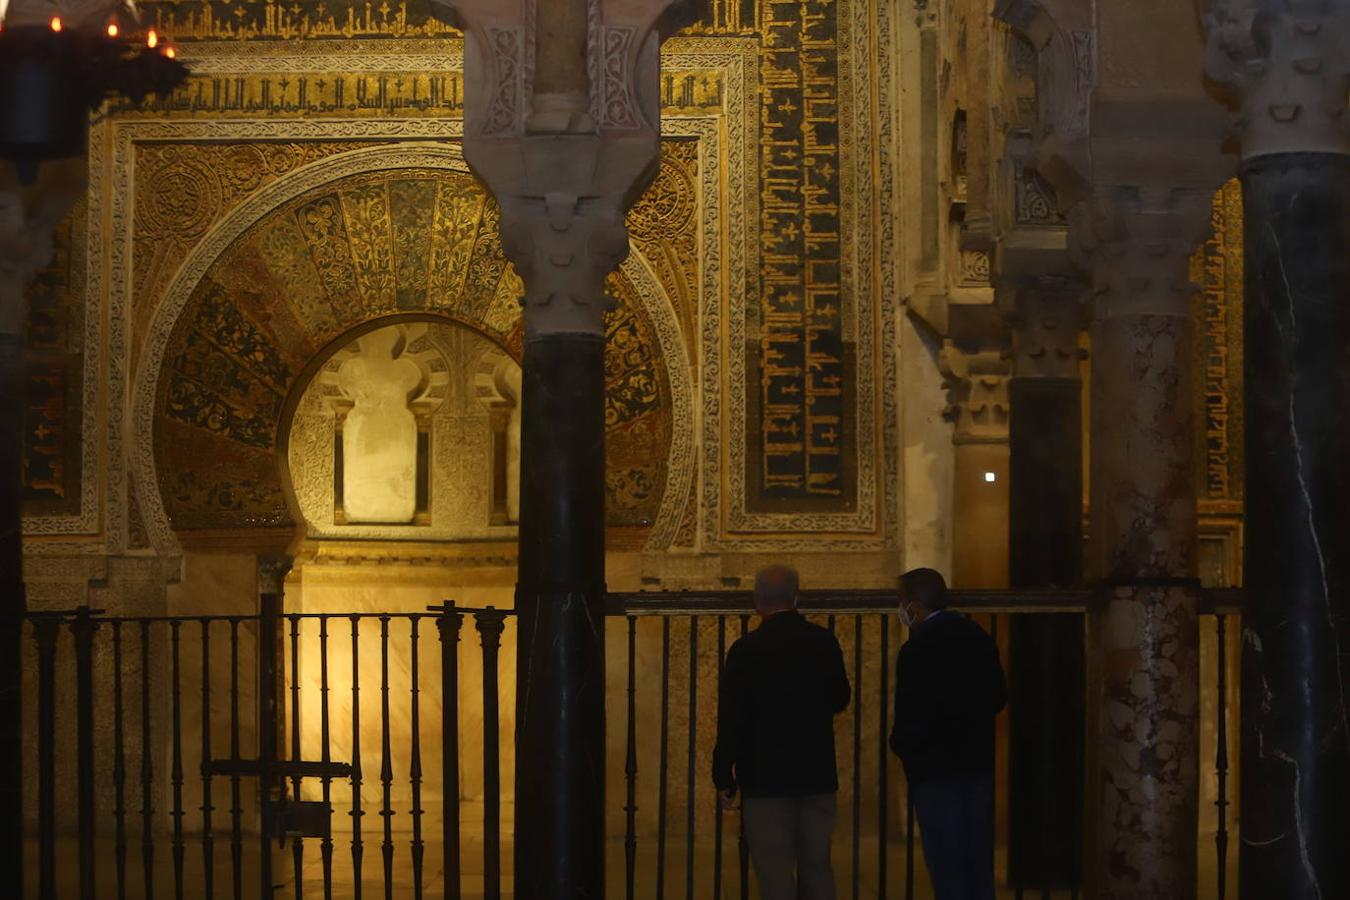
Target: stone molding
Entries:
(1290, 69)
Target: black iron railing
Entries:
(865, 622)
(131, 739)
(284, 751)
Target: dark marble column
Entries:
(566, 153)
(1295, 787)
(33, 212)
(1045, 662)
(560, 699)
(1143, 637)
(12, 607)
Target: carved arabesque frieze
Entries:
(1290, 66)
(975, 269)
(1034, 202)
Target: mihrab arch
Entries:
(355, 239)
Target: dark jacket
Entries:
(782, 685)
(948, 688)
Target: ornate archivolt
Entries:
(169, 401)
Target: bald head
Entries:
(775, 590)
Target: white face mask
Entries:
(906, 617)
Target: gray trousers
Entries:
(789, 840)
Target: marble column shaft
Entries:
(1046, 664)
(562, 125)
(1144, 693)
(560, 783)
(1295, 787)
(1289, 67)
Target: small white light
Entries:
(990, 477)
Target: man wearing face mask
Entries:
(949, 689)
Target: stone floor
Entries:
(676, 865)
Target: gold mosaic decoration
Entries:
(411, 242)
(764, 230)
(184, 188)
(771, 183)
(1218, 268)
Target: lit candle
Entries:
(152, 39)
(112, 29)
(56, 23)
(169, 52)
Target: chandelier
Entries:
(59, 61)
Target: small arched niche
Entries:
(409, 432)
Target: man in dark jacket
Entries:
(949, 688)
(782, 685)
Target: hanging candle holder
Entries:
(53, 74)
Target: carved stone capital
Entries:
(29, 216)
(565, 167)
(977, 391)
(272, 572)
(1048, 314)
(1137, 242)
(563, 244)
(1289, 63)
